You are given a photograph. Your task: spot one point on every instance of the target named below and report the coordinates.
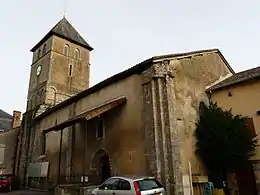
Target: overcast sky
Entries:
(125, 32)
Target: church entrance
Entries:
(101, 165)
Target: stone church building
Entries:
(138, 122)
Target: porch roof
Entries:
(89, 114)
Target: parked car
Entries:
(9, 182)
(130, 186)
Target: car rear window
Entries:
(149, 184)
(3, 177)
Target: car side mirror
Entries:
(103, 187)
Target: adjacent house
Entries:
(8, 145)
(240, 92)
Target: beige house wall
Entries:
(8, 142)
(244, 100)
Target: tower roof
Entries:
(65, 30)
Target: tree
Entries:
(224, 142)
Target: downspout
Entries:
(60, 152)
(26, 154)
(15, 153)
(20, 144)
(84, 149)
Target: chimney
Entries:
(16, 122)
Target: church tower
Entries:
(60, 66)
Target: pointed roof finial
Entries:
(64, 8)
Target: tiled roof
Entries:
(5, 120)
(4, 114)
(237, 78)
(64, 30)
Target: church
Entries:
(138, 122)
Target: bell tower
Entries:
(60, 66)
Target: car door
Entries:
(124, 187)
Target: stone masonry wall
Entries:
(173, 89)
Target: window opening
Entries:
(70, 70)
(66, 50)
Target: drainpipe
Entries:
(60, 152)
(15, 153)
(84, 128)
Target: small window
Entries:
(124, 185)
(77, 54)
(100, 129)
(70, 70)
(66, 50)
(43, 144)
(251, 127)
(44, 49)
(39, 54)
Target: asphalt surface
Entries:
(25, 192)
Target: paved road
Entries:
(25, 192)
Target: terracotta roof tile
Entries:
(237, 78)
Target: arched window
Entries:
(44, 49)
(77, 53)
(66, 50)
(39, 53)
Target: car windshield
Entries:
(149, 184)
(3, 177)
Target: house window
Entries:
(66, 50)
(44, 49)
(77, 54)
(100, 129)
(43, 144)
(251, 127)
(70, 70)
(39, 54)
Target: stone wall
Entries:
(173, 89)
(9, 141)
(122, 126)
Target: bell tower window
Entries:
(39, 54)
(44, 49)
(66, 50)
(77, 54)
(70, 70)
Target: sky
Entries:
(125, 32)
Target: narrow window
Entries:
(43, 144)
(66, 50)
(77, 54)
(251, 127)
(70, 70)
(100, 129)
(44, 49)
(39, 54)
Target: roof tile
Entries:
(237, 78)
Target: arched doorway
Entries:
(101, 165)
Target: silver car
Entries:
(130, 186)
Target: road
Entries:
(25, 192)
